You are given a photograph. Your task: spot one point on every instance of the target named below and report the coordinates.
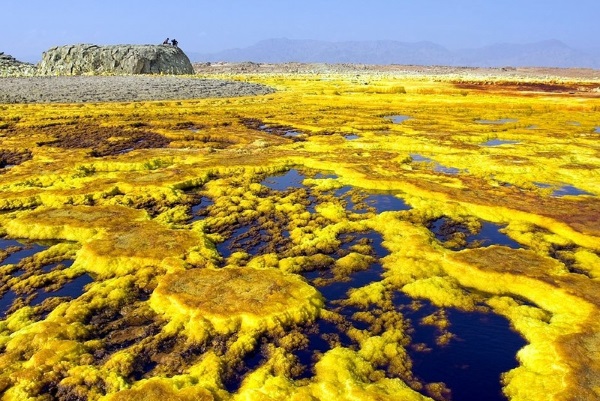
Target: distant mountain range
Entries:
(550, 53)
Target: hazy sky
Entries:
(29, 27)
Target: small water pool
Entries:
(436, 166)
(386, 202)
(497, 122)
(374, 201)
(335, 290)
(351, 137)
(6, 301)
(498, 142)
(25, 250)
(563, 190)
(199, 209)
(65, 263)
(569, 190)
(471, 364)
(446, 230)
(323, 176)
(398, 118)
(291, 179)
(280, 130)
(72, 289)
(240, 240)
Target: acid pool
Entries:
(498, 142)
(445, 229)
(497, 122)
(482, 345)
(20, 250)
(398, 118)
(563, 190)
(436, 166)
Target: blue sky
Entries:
(32, 26)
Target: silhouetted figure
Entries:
(166, 42)
(174, 42)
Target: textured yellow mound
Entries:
(228, 299)
(115, 239)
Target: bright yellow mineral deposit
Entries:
(198, 281)
(230, 300)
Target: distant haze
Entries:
(551, 53)
(206, 27)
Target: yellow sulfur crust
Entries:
(210, 302)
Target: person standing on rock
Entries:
(174, 42)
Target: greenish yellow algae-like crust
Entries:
(341, 374)
(115, 240)
(137, 199)
(228, 299)
(163, 390)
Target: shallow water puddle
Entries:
(238, 241)
(419, 158)
(251, 362)
(497, 122)
(318, 344)
(65, 264)
(6, 301)
(373, 238)
(342, 192)
(498, 142)
(351, 137)
(377, 202)
(323, 176)
(336, 290)
(250, 237)
(569, 190)
(72, 289)
(199, 209)
(542, 185)
(22, 250)
(386, 202)
(291, 179)
(483, 347)
(446, 230)
(563, 190)
(339, 289)
(280, 130)
(292, 134)
(124, 151)
(398, 118)
(436, 166)
(597, 130)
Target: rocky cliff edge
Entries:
(9, 66)
(114, 59)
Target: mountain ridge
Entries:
(548, 53)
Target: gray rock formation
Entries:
(9, 66)
(115, 59)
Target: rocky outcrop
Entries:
(115, 59)
(9, 66)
